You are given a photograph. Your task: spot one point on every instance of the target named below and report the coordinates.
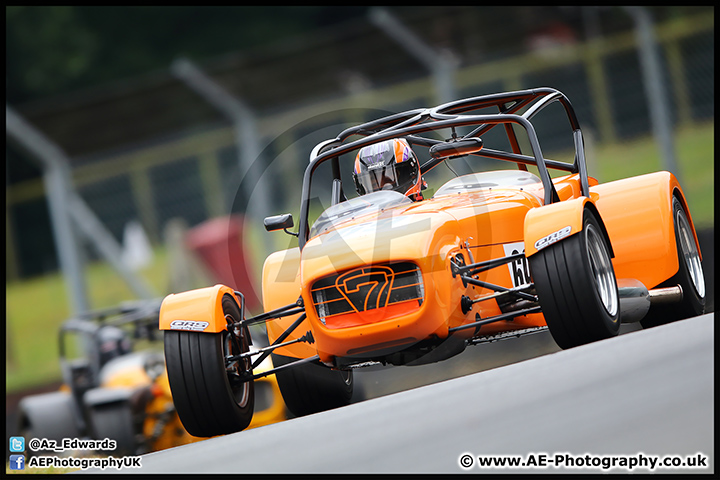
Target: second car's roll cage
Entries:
(412, 123)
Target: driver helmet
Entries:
(388, 165)
(113, 342)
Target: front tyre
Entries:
(576, 286)
(690, 276)
(311, 387)
(208, 395)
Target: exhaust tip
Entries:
(636, 299)
(666, 295)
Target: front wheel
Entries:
(576, 286)
(311, 387)
(209, 397)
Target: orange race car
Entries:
(395, 276)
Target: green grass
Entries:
(41, 471)
(694, 148)
(37, 307)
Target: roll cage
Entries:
(139, 318)
(412, 124)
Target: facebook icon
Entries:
(17, 462)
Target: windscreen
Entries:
(356, 207)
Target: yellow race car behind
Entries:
(116, 386)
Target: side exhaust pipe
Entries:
(666, 295)
(635, 299)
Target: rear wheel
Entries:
(576, 286)
(690, 276)
(209, 396)
(50, 415)
(311, 388)
(115, 421)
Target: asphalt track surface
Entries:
(647, 392)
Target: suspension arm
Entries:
(526, 296)
(475, 268)
(497, 318)
(279, 340)
(247, 376)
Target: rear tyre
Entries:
(576, 286)
(115, 421)
(208, 396)
(690, 276)
(311, 387)
(50, 415)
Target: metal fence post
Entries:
(105, 243)
(441, 65)
(245, 126)
(66, 207)
(655, 92)
(57, 185)
(597, 81)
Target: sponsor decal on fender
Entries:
(188, 325)
(553, 237)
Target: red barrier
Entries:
(219, 244)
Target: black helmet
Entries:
(113, 342)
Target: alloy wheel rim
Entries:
(240, 390)
(690, 254)
(346, 376)
(603, 273)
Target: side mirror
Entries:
(278, 222)
(456, 149)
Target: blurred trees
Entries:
(53, 49)
(56, 49)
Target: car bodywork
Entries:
(380, 278)
(512, 218)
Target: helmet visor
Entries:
(395, 176)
